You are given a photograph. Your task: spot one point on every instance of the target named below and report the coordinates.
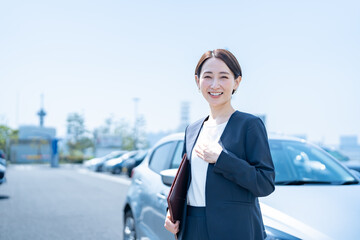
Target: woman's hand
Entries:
(209, 153)
(170, 226)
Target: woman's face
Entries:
(217, 82)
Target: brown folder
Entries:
(177, 195)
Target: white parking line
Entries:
(22, 167)
(106, 177)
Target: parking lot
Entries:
(39, 202)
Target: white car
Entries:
(315, 197)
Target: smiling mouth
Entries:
(215, 94)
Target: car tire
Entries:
(117, 171)
(129, 226)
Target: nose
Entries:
(215, 83)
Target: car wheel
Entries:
(129, 226)
(117, 171)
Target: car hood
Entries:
(113, 162)
(93, 161)
(313, 211)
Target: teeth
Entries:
(215, 94)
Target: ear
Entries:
(237, 82)
(197, 81)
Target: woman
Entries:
(230, 159)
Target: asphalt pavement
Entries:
(39, 202)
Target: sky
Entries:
(300, 62)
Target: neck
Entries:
(220, 114)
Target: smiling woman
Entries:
(231, 165)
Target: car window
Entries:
(175, 163)
(161, 157)
(294, 160)
(113, 155)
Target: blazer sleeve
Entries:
(256, 173)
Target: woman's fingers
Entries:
(199, 151)
(202, 152)
(177, 226)
(171, 227)
(207, 153)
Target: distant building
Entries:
(153, 138)
(350, 147)
(33, 145)
(349, 141)
(107, 143)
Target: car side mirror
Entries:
(168, 176)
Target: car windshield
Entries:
(141, 154)
(298, 163)
(113, 155)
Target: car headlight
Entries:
(2, 168)
(274, 234)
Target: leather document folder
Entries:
(177, 195)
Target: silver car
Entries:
(316, 197)
(96, 164)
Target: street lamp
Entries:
(136, 101)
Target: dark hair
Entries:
(227, 57)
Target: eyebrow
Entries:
(219, 72)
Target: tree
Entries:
(123, 129)
(131, 137)
(75, 126)
(7, 134)
(140, 140)
(78, 137)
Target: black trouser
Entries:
(195, 226)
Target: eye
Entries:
(225, 77)
(207, 77)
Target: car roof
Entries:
(271, 136)
(282, 136)
(171, 137)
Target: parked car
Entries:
(128, 165)
(352, 164)
(316, 197)
(114, 165)
(3, 161)
(2, 170)
(96, 164)
(2, 154)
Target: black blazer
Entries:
(243, 172)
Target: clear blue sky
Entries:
(300, 61)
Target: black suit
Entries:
(243, 172)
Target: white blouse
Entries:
(209, 135)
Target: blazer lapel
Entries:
(192, 135)
(226, 135)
